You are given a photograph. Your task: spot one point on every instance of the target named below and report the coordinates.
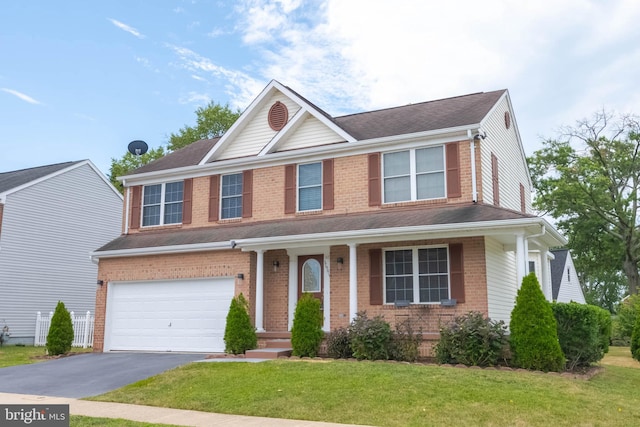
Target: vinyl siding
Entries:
(501, 280)
(48, 231)
(311, 133)
(512, 169)
(570, 289)
(257, 134)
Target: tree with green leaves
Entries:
(587, 179)
(60, 336)
(212, 121)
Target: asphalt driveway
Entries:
(88, 374)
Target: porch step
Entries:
(268, 353)
(278, 343)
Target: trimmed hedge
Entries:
(239, 333)
(339, 344)
(306, 333)
(472, 340)
(60, 335)
(583, 331)
(534, 331)
(371, 339)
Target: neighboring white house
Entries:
(564, 278)
(51, 217)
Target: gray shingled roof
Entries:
(557, 270)
(422, 117)
(292, 227)
(13, 179)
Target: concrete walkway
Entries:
(151, 414)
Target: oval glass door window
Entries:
(311, 276)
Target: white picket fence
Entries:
(82, 329)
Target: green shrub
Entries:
(635, 340)
(472, 340)
(306, 333)
(534, 332)
(405, 343)
(239, 333)
(371, 339)
(60, 335)
(604, 327)
(626, 319)
(579, 333)
(339, 344)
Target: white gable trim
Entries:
(3, 196)
(253, 108)
(293, 124)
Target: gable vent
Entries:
(507, 119)
(278, 115)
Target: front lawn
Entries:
(82, 421)
(391, 394)
(11, 355)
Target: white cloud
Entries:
(195, 98)
(22, 96)
(196, 77)
(126, 28)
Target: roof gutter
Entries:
(96, 256)
(281, 158)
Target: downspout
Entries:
(474, 187)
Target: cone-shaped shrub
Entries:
(635, 340)
(60, 335)
(534, 334)
(306, 333)
(239, 333)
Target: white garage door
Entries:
(185, 315)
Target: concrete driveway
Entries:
(89, 374)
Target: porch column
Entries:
(521, 258)
(544, 272)
(293, 286)
(260, 291)
(353, 281)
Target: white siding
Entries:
(253, 138)
(501, 280)
(570, 289)
(311, 133)
(512, 170)
(48, 230)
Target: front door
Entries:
(310, 276)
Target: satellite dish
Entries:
(138, 147)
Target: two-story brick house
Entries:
(420, 211)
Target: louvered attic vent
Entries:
(278, 115)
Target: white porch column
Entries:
(293, 286)
(544, 272)
(260, 291)
(521, 258)
(353, 281)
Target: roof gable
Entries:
(20, 178)
(251, 135)
(557, 270)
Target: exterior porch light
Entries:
(100, 282)
(340, 260)
(275, 264)
(240, 276)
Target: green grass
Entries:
(11, 355)
(81, 421)
(387, 394)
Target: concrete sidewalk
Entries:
(151, 414)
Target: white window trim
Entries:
(298, 187)
(163, 187)
(222, 197)
(413, 175)
(416, 274)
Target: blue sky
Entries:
(80, 80)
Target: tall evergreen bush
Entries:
(306, 333)
(239, 333)
(60, 335)
(534, 334)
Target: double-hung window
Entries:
(310, 186)
(162, 204)
(416, 174)
(416, 275)
(231, 206)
